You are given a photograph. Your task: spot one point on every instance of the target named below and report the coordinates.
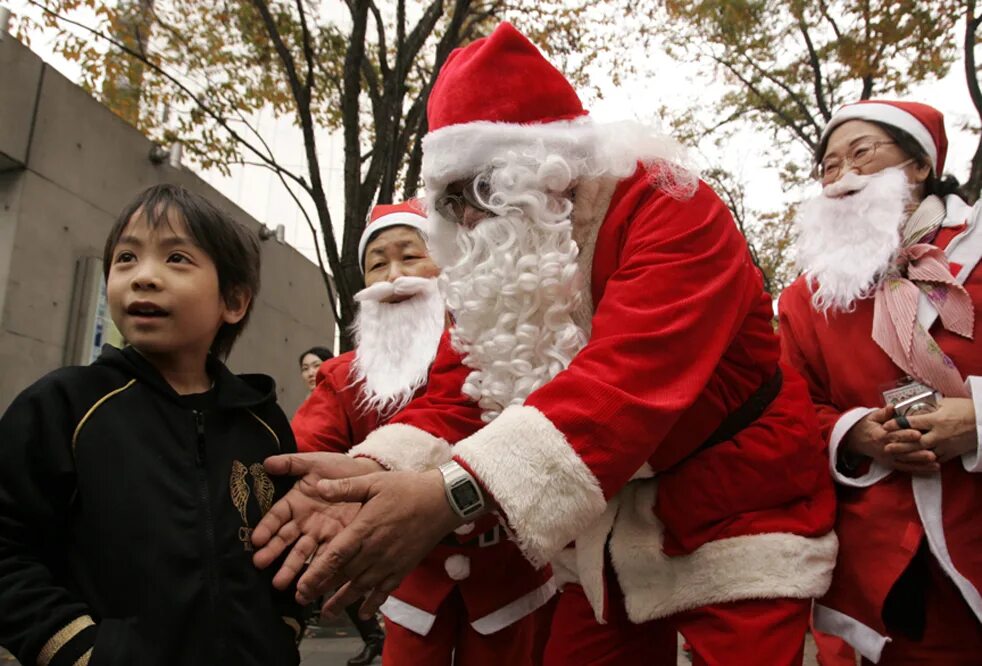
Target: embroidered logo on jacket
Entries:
(262, 489)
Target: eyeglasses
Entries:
(473, 193)
(858, 156)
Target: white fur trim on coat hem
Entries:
(516, 610)
(866, 641)
(403, 448)
(774, 565)
(876, 471)
(414, 619)
(546, 492)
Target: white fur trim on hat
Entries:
(888, 115)
(544, 489)
(399, 219)
(458, 152)
(458, 567)
(403, 447)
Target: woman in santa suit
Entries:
(882, 325)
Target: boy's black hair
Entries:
(935, 184)
(323, 353)
(232, 247)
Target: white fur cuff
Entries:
(403, 448)
(545, 490)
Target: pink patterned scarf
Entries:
(920, 266)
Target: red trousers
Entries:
(952, 633)
(452, 640)
(768, 632)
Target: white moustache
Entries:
(850, 183)
(403, 286)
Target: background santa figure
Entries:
(473, 595)
(883, 326)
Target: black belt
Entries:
(745, 414)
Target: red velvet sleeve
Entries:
(800, 349)
(681, 291)
(442, 410)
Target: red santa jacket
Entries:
(883, 515)
(681, 336)
(498, 585)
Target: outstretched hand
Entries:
(302, 518)
(405, 514)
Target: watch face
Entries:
(466, 495)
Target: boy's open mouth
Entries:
(143, 309)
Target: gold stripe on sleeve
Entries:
(84, 659)
(293, 625)
(62, 638)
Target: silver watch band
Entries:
(463, 492)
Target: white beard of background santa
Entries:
(396, 341)
(849, 236)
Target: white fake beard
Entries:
(513, 290)
(847, 242)
(395, 343)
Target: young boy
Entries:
(129, 488)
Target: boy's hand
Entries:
(404, 515)
(302, 518)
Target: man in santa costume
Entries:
(883, 325)
(640, 429)
(474, 593)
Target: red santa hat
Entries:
(495, 93)
(407, 214)
(924, 123)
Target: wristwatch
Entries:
(463, 493)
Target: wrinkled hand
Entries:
(302, 518)
(893, 448)
(405, 514)
(948, 432)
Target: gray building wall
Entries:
(67, 167)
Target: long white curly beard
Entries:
(514, 286)
(846, 241)
(395, 343)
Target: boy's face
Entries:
(163, 292)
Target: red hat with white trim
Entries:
(494, 94)
(407, 214)
(924, 123)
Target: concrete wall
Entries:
(67, 167)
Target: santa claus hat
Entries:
(407, 214)
(495, 93)
(924, 123)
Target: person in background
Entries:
(473, 596)
(310, 362)
(884, 325)
(129, 488)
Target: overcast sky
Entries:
(673, 84)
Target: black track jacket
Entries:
(125, 517)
